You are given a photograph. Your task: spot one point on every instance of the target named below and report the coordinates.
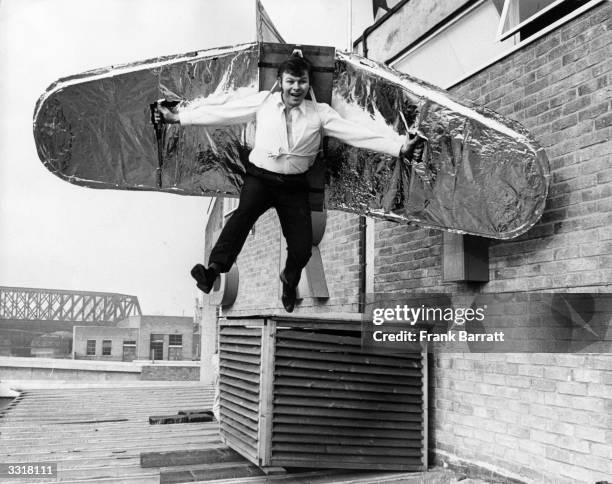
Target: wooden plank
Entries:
(267, 393)
(240, 432)
(331, 348)
(209, 474)
(249, 379)
(355, 431)
(346, 394)
(245, 450)
(318, 319)
(330, 421)
(250, 424)
(238, 427)
(241, 349)
(247, 412)
(187, 457)
(332, 365)
(343, 413)
(389, 365)
(375, 441)
(245, 404)
(412, 379)
(240, 366)
(351, 404)
(406, 465)
(241, 340)
(388, 389)
(326, 458)
(249, 324)
(303, 336)
(227, 386)
(253, 360)
(240, 380)
(367, 451)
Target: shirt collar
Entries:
(278, 98)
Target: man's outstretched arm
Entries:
(214, 113)
(360, 136)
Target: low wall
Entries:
(16, 368)
(170, 373)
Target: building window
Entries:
(129, 342)
(176, 340)
(106, 347)
(157, 346)
(481, 35)
(91, 347)
(527, 17)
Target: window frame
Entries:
(174, 345)
(107, 347)
(88, 345)
(503, 35)
(563, 20)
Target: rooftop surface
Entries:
(102, 434)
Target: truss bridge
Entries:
(27, 304)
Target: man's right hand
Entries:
(164, 115)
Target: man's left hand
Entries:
(413, 140)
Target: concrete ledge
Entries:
(167, 362)
(67, 384)
(66, 364)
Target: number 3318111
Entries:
(30, 470)
(27, 470)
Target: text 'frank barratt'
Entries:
(424, 336)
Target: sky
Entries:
(55, 235)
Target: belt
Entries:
(298, 179)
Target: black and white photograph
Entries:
(306, 242)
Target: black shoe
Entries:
(205, 278)
(289, 294)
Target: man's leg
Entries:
(293, 211)
(255, 199)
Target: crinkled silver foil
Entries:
(477, 173)
(95, 129)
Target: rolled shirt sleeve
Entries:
(212, 112)
(357, 135)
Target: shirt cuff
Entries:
(185, 118)
(397, 147)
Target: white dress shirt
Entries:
(273, 151)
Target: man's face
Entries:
(294, 88)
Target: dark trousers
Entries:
(262, 190)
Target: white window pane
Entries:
(457, 50)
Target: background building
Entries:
(137, 337)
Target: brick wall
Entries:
(170, 373)
(544, 417)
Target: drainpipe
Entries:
(377, 24)
(362, 263)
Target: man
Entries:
(287, 140)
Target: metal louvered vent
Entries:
(322, 401)
(239, 382)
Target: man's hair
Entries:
(296, 66)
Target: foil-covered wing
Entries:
(478, 173)
(95, 129)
